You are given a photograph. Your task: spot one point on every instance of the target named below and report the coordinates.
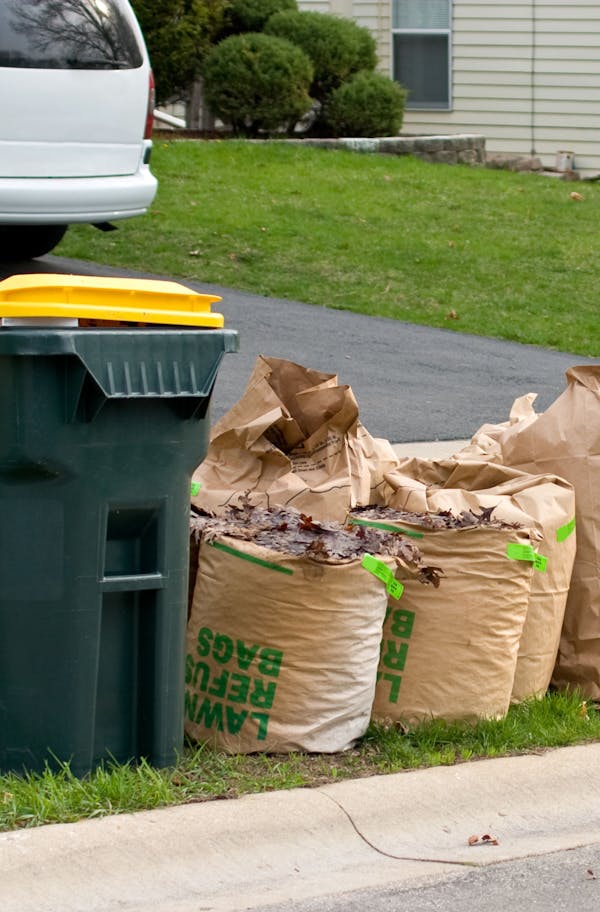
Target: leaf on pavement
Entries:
(486, 839)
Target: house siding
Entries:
(526, 74)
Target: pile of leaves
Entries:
(445, 519)
(293, 533)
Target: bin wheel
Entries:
(25, 242)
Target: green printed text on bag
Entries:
(383, 572)
(526, 553)
(399, 623)
(231, 682)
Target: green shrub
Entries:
(370, 104)
(257, 82)
(179, 35)
(337, 47)
(252, 15)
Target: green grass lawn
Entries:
(203, 773)
(470, 249)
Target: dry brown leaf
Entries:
(444, 519)
(289, 531)
(486, 839)
(489, 840)
(452, 315)
(574, 195)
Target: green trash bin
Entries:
(101, 429)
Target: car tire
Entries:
(25, 242)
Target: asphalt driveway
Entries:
(412, 382)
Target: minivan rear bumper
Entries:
(65, 200)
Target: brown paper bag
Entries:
(545, 502)
(294, 439)
(485, 442)
(282, 651)
(451, 653)
(565, 440)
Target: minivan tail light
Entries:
(151, 103)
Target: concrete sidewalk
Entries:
(432, 449)
(410, 828)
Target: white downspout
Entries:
(533, 74)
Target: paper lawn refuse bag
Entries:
(485, 443)
(282, 649)
(293, 439)
(451, 653)
(565, 440)
(544, 501)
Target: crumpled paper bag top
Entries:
(293, 439)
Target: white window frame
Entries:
(443, 32)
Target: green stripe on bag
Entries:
(249, 557)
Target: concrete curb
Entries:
(291, 845)
(532, 804)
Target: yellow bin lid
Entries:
(106, 299)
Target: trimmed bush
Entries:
(370, 104)
(337, 47)
(257, 82)
(252, 15)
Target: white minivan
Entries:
(76, 102)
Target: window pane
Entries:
(67, 34)
(421, 14)
(421, 66)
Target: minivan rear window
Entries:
(67, 34)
